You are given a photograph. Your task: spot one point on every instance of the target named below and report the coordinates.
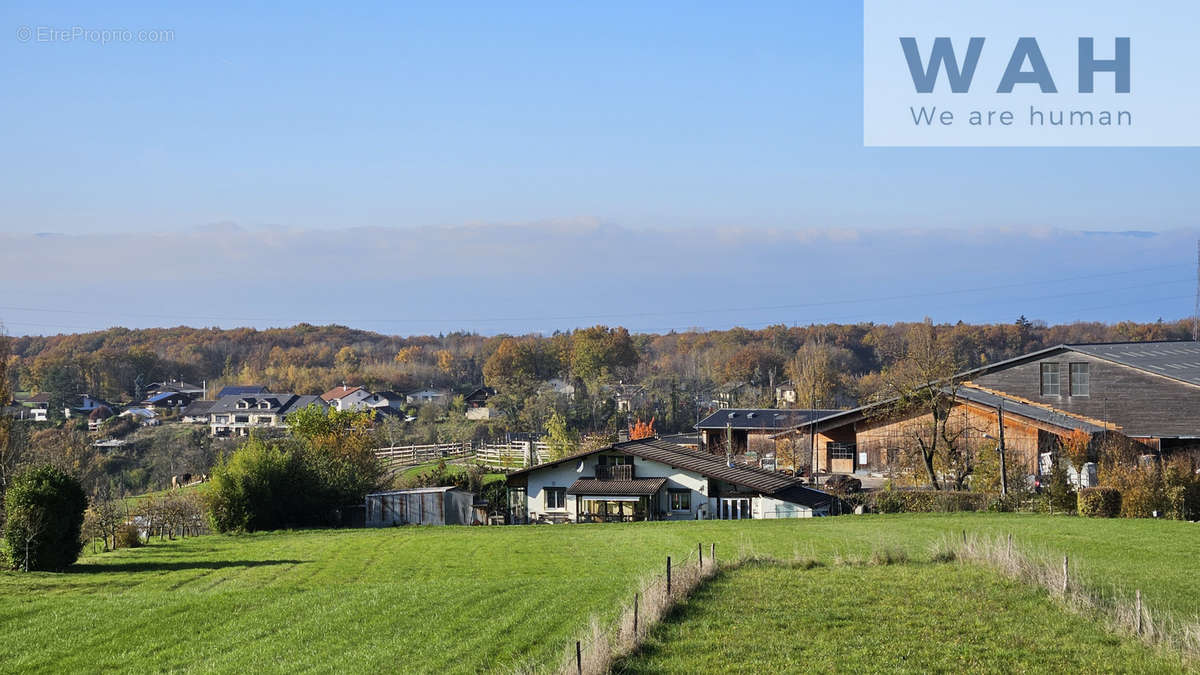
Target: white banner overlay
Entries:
(1026, 73)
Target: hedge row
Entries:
(930, 501)
(1100, 502)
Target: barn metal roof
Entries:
(1178, 360)
(761, 418)
(1037, 413)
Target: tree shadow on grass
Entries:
(174, 565)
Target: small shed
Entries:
(421, 506)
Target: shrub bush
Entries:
(44, 507)
(129, 536)
(1182, 489)
(1059, 490)
(1141, 488)
(261, 486)
(928, 501)
(1100, 502)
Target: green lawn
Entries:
(467, 599)
(413, 471)
(909, 618)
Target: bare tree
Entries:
(817, 370)
(923, 406)
(29, 524)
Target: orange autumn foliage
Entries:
(641, 430)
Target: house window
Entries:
(264, 420)
(556, 497)
(1050, 385)
(615, 460)
(241, 419)
(1081, 379)
(841, 450)
(681, 500)
(893, 454)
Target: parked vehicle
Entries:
(843, 484)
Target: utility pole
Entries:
(1196, 312)
(812, 427)
(1003, 466)
(728, 442)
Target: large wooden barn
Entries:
(1148, 392)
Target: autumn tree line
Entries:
(831, 365)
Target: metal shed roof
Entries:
(761, 418)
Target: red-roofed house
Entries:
(346, 398)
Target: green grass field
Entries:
(908, 618)
(468, 599)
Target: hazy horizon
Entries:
(559, 276)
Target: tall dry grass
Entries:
(600, 647)
(1124, 613)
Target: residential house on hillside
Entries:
(734, 394)
(477, 403)
(242, 390)
(144, 416)
(38, 405)
(197, 412)
(387, 399)
(238, 415)
(750, 431)
(347, 398)
(176, 386)
(653, 479)
(629, 397)
(427, 396)
(168, 399)
(1146, 391)
(560, 386)
(785, 394)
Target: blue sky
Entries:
(690, 118)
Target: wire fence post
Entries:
(578, 658)
(712, 553)
(668, 576)
(1066, 572)
(635, 615)
(700, 550)
(1010, 543)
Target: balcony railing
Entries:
(615, 472)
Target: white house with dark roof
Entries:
(654, 479)
(237, 415)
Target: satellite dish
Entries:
(579, 469)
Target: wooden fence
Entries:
(412, 455)
(504, 456)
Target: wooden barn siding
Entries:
(876, 436)
(1140, 403)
